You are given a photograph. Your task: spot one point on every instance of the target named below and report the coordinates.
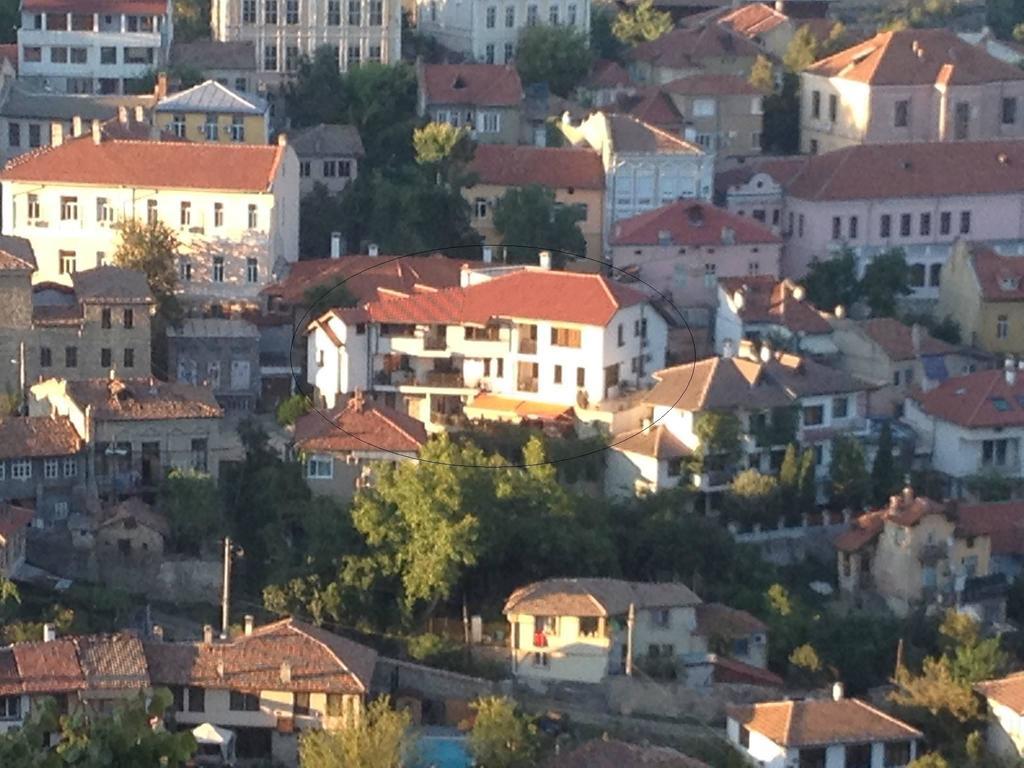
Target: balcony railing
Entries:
(435, 343)
(527, 346)
(441, 379)
(527, 385)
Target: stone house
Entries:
(229, 63)
(487, 99)
(1004, 700)
(722, 113)
(213, 112)
(909, 85)
(328, 155)
(42, 465)
(13, 523)
(219, 353)
(131, 531)
(682, 52)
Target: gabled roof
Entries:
(711, 85)
(153, 164)
(484, 85)
(142, 399)
(753, 19)
(12, 520)
(16, 254)
(916, 57)
(820, 722)
(212, 96)
(651, 106)
(320, 140)
(655, 441)
(207, 55)
(359, 425)
(904, 509)
(134, 511)
(611, 753)
(1002, 521)
(596, 597)
(607, 74)
(1001, 278)
(687, 47)
(980, 400)
(768, 300)
(84, 662)
(718, 620)
(553, 167)
(24, 437)
(1008, 691)
(632, 135)
(897, 339)
(693, 223)
(112, 285)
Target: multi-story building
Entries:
(220, 353)
(770, 26)
(574, 174)
(1004, 731)
(487, 99)
(644, 166)
(909, 85)
(328, 155)
(42, 465)
(721, 113)
(232, 64)
(234, 208)
(706, 49)
(214, 112)
(283, 31)
(92, 47)
(509, 343)
(489, 32)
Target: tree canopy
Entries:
(321, 213)
(556, 55)
(849, 480)
(501, 737)
(641, 24)
(152, 248)
(530, 216)
(192, 505)
(833, 282)
(381, 738)
(886, 278)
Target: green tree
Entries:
(789, 479)
(321, 213)
(885, 279)
(445, 150)
(848, 478)
(529, 216)
(752, 497)
(802, 50)
(191, 20)
(501, 737)
(992, 485)
(381, 104)
(833, 282)
(603, 42)
(10, 20)
(192, 505)
(153, 249)
(556, 55)
(316, 94)
(762, 75)
(781, 120)
(885, 475)
(806, 666)
(290, 409)
(381, 738)
(807, 487)
(718, 433)
(642, 24)
(930, 760)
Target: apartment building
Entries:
(233, 207)
(722, 113)
(909, 85)
(92, 47)
(214, 112)
(508, 344)
(283, 31)
(486, 99)
(704, 49)
(328, 155)
(42, 466)
(232, 64)
(489, 31)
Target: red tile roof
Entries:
(12, 520)
(23, 437)
(685, 48)
(1001, 278)
(142, 399)
(693, 223)
(1008, 691)
(772, 301)
(595, 597)
(753, 19)
(916, 57)
(519, 166)
(728, 670)
(359, 425)
(155, 164)
(652, 106)
(484, 85)
(820, 722)
(718, 620)
(924, 169)
(970, 401)
(862, 531)
(611, 753)
(1002, 521)
(711, 85)
(112, 662)
(897, 339)
(51, 667)
(604, 74)
(904, 509)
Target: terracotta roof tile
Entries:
(359, 426)
(897, 339)
(651, 106)
(978, 400)
(916, 57)
(655, 441)
(596, 597)
(711, 85)
(769, 300)
(611, 753)
(157, 164)
(1008, 691)
(1001, 277)
(716, 619)
(728, 670)
(51, 667)
(149, 7)
(13, 519)
(687, 47)
(819, 722)
(861, 532)
(604, 74)
(23, 437)
(519, 166)
(691, 222)
(629, 134)
(485, 85)
(112, 661)
(141, 399)
(753, 19)
(1002, 521)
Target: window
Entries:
(196, 699)
(198, 454)
(897, 754)
(945, 223)
(490, 122)
(270, 12)
(335, 704)
(570, 15)
(916, 278)
(376, 13)
(21, 469)
(1009, 111)
(69, 209)
(353, 55)
(581, 377)
(105, 322)
(253, 216)
(816, 104)
(304, 169)
(1001, 404)
(10, 707)
(186, 214)
(753, 268)
(885, 225)
(106, 357)
(813, 415)
(510, 52)
(33, 53)
(51, 469)
(800, 225)
(531, 15)
(965, 222)
(993, 452)
(291, 58)
(589, 626)
(104, 211)
(300, 704)
(70, 467)
(108, 55)
(243, 702)
(270, 58)
(661, 618)
(703, 107)
(45, 357)
(744, 737)
(129, 357)
(152, 212)
(620, 336)
(33, 207)
(34, 135)
(67, 262)
(935, 275)
(833, 107)
(557, 378)
(1002, 327)
(330, 169)
(491, 17)
(566, 337)
(811, 758)
(837, 228)
(185, 271)
(13, 134)
(70, 357)
(901, 114)
(218, 214)
(510, 17)
(489, 53)
(291, 11)
(553, 15)
(961, 120)
(238, 128)
(59, 55)
(926, 224)
(78, 55)
(248, 11)
(319, 467)
(354, 13)
(710, 275)
(218, 269)
(334, 13)
(858, 756)
(904, 225)
(840, 407)
(252, 270)
(853, 227)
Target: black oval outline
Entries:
(443, 251)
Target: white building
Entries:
(285, 30)
(234, 208)
(645, 167)
(836, 732)
(1005, 704)
(489, 31)
(509, 343)
(86, 46)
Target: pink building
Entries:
(918, 197)
(683, 248)
(909, 85)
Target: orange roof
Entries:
(904, 509)
(772, 301)
(711, 85)
(980, 400)
(820, 722)
(862, 530)
(1008, 691)
(526, 409)
(897, 339)
(690, 222)
(916, 57)
(753, 19)
(1001, 277)
(359, 426)
(1002, 521)
(153, 164)
(485, 85)
(22, 437)
(554, 167)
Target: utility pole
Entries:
(226, 595)
(630, 622)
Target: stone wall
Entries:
(392, 676)
(787, 543)
(631, 696)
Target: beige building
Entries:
(906, 86)
(574, 174)
(722, 113)
(1004, 699)
(131, 532)
(486, 99)
(913, 554)
(707, 49)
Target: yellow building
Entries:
(213, 112)
(575, 175)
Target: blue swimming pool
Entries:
(441, 752)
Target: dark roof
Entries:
(16, 254)
(215, 54)
(1002, 521)
(596, 597)
(683, 48)
(143, 399)
(718, 620)
(23, 437)
(487, 85)
(112, 285)
(554, 167)
(630, 134)
(24, 103)
(323, 139)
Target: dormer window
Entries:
(459, 83)
(1008, 283)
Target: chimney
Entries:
(286, 672)
(1010, 369)
(488, 254)
(908, 494)
(161, 85)
(645, 424)
(248, 620)
(122, 114)
(894, 503)
(373, 249)
(545, 259)
(282, 139)
(97, 135)
(207, 634)
(335, 245)
(56, 134)
(766, 353)
(76, 126)
(49, 633)
(158, 633)
(838, 692)
(140, 114)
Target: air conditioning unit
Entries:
(197, 230)
(41, 223)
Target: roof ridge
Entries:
(378, 410)
(788, 727)
(885, 715)
(292, 626)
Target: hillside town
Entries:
(512, 383)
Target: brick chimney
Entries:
(160, 91)
(56, 134)
(97, 133)
(76, 126)
(122, 114)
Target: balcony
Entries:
(528, 347)
(527, 385)
(440, 379)
(435, 343)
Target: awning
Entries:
(489, 406)
(208, 733)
